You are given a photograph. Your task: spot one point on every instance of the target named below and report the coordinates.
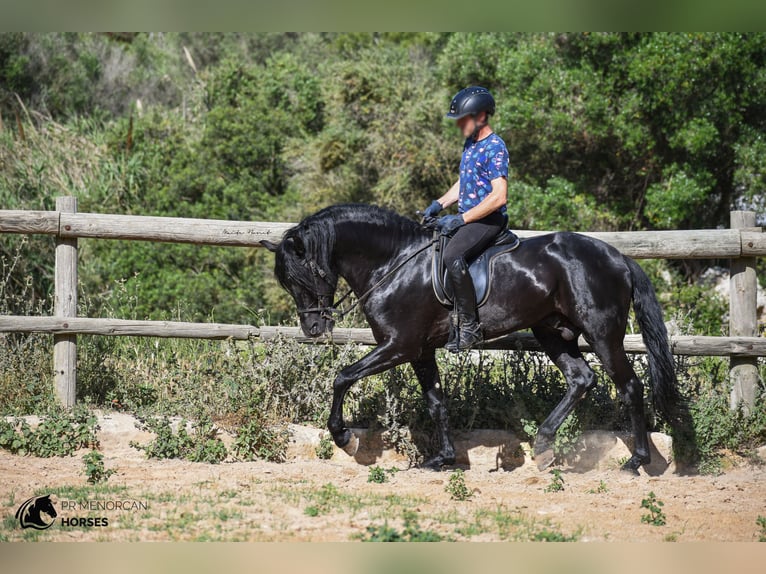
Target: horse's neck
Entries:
(362, 257)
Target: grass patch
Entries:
(513, 525)
(410, 532)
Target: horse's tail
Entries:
(665, 395)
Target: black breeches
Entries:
(472, 238)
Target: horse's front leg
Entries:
(428, 376)
(380, 359)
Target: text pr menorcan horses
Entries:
(560, 285)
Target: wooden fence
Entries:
(741, 244)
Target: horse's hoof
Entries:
(544, 459)
(437, 462)
(629, 470)
(352, 444)
(633, 465)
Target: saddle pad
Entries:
(480, 271)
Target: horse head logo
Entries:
(29, 513)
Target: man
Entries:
(480, 193)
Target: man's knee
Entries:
(451, 259)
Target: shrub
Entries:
(655, 516)
(456, 486)
(257, 440)
(202, 446)
(325, 448)
(94, 468)
(60, 433)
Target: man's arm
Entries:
(497, 198)
(451, 196)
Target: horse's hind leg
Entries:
(580, 379)
(428, 376)
(631, 391)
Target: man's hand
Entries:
(448, 224)
(433, 210)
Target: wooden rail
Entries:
(741, 244)
(696, 345)
(691, 244)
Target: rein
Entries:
(334, 309)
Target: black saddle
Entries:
(480, 268)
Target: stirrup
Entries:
(470, 335)
(464, 337)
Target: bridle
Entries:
(327, 312)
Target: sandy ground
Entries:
(269, 501)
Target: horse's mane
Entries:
(381, 229)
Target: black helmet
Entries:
(471, 100)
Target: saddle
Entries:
(480, 268)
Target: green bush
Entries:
(325, 448)
(59, 433)
(456, 486)
(203, 445)
(94, 468)
(256, 440)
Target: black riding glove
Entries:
(449, 224)
(433, 209)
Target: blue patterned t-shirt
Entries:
(482, 161)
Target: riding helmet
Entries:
(471, 101)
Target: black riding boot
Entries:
(465, 331)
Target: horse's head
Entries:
(302, 267)
(44, 504)
(29, 513)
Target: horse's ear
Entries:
(270, 245)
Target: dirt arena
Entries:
(310, 499)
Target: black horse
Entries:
(560, 285)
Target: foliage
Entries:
(513, 525)
(94, 467)
(325, 500)
(60, 433)
(377, 474)
(203, 445)
(625, 117)
(411, 532)
(602, 488)
(324, 450)
(655, 516)
(456, 486)
(605, 131)
(255, 440)
(567, 437)
(761, 523)
(557, 481)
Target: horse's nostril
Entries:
(314, 330)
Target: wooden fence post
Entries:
(65, 305)
(743, 311)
